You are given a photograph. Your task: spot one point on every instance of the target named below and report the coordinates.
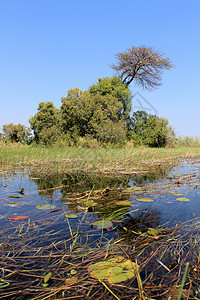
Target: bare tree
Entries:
(143, 65)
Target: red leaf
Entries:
(51, 211)
(18, 218)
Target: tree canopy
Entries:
(150, 130)
(46, 123)
(92, 113)
(16, 133)
(142, 64)
(115, 87)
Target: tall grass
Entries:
(101, 160)
(189, 141)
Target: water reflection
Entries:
(108, 215)
(139, 223)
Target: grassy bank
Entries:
(121, 161)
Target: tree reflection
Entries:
(139, 223)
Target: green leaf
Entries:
(123, 203)
(47, 277)
(182, 199)
(154, 232)
(115, 270)
(103, 224)
(73, 272)
(71, 216)
(176, 194)
(133, 188)
(145, 199)
(45, 206)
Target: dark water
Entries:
(92, 198)
(57, 223)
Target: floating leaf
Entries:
(51, 211)
(155, 232)
(15, 197)
(90, 203)
(145, 199)
(71, 216)
(183, 199)
(115, 270)
(103, 224)
(123, 203)
(18, 218)
(45, 206)
(176, 194)
(15, 204)
(133, 188)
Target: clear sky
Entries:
(50, 46)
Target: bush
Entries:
(110, 132)
(150, 130)
(49, 136)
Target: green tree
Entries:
(86, 113)
(115, 87)
(142, 64)
(104, 124)
(150, 130)
(138, 122)
(46, 124)
(16, 133)
(76, 110)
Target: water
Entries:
(59, 215)
(94, 198)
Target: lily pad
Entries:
(176, 194)
(103, 224)
(45, 206)
(183, 199)
(145, 199)
(71, 216)
(90, 203)
(155, 232)
(115, 270)
(133, 188)
(123, 203)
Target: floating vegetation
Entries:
(45, 206)
(183, 199)
(123, 203)
(76, 239)
(144, 199)
(133, 188)
(101, 224)
(71, 216)
(115, 270)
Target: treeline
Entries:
(101, 115)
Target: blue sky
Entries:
(50, 46)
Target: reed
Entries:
(107, 161)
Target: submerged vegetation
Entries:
(76, 236)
